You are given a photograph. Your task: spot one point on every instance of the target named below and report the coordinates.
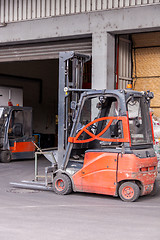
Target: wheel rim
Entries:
(59, 185)
(128, 192)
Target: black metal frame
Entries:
(120, 95)
(70, 76)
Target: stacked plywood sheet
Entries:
(146, 66)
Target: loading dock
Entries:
(137, 62)
(34, 67)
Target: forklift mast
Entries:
(71, 66)
(72, 97)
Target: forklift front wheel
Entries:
(5, 156)
(129, 191)
(62, 184)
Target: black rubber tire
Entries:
(62, 184)
(155, 188)
(5, 156)
(129, 191)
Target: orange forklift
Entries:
(105, 138)
(16, 133)
(110, 148)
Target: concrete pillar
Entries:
(103, 60)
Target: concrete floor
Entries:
(37, 215)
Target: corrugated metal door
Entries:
(40, 51)
(124, 63)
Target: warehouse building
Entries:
(122, 36)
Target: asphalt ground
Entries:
(43, 215)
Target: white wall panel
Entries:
(133, 2)
(34, 9)
(53, 8)
(58, 7)
(93, 5)
(77, 6)
(88, 5)
(38, 8)
(10, 12)
(24, 9)
(73, 6)
(43, 9)
(2, 11)
(68, 6)
(122, 3)
(104, 4)
(139, 2)
(17, 10)
(99, 5)
(6, 11)
(127, 3)
(116, 3)
(48, 8)
(15, 6)
(83, 5)
(63, 7)
(29, 7)
(110, 4)
(20, 10)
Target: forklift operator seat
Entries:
(18, 130)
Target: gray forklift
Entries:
(105, 139)
(16, 133)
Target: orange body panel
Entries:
(22, 147)
(98, 174)
(103, 170)
(144, 170)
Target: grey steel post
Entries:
(63, 56)
(63, 101)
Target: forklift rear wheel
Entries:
(129, 192)
(62, 184)
(5, 156)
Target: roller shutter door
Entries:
(45, 50)
(124, 73)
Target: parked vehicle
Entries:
(16, 133)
